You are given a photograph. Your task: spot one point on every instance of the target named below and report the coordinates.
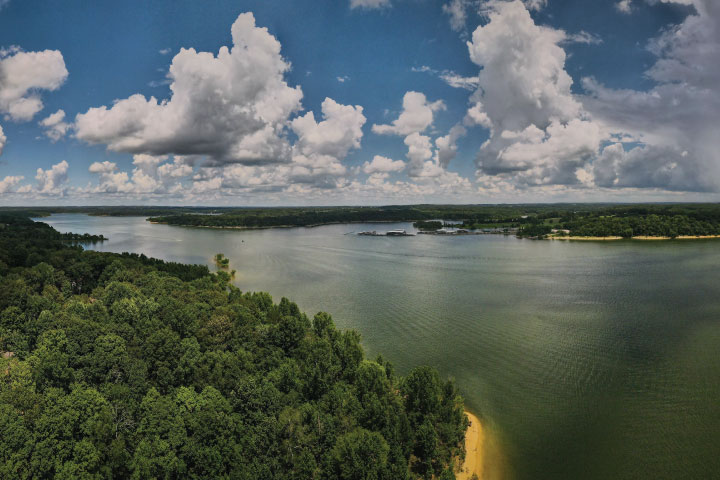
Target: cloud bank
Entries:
(542, 134)
(675, 122)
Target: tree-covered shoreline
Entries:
(528, 220)
(624, 221)
(123, 366)
(82, 238)
(629, 221)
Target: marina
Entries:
(441, 231)
(389, 233)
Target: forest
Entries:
(124, 366)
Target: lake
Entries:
(593, 360)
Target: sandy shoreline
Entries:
(474, 445)
(641, 237)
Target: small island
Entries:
(221, 261)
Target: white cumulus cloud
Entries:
(52, 181)
(55, 125)
(416, 116)
(380, 164)
(314, 163)
(338, 132)
(152, 175)
(7, 184)
(231, 107)
(23, 75)
(321, 146)
(539, 133)
(446, 146)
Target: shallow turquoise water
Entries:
(589, 359)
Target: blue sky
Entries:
(588, 141)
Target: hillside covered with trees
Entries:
(123, 366)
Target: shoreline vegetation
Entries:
(125, 366)
(563, 221)
(568, 220)
(83, 238)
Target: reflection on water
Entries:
(587, 360)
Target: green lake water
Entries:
(586, 360)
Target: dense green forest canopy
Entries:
(123, 366)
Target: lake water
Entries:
(586, 360)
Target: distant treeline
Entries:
(123, 366)
(532, 220)
(277, 217)
(111, 211)
(307, 216)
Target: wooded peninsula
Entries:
(124, 366)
